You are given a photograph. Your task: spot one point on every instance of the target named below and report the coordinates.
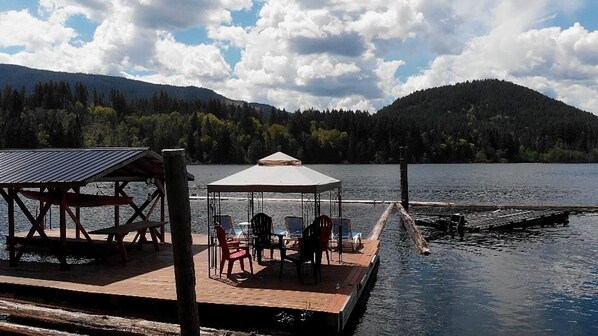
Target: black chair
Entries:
(309, 251)
(263, 237)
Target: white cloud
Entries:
(548, 60)
(399, 20)
(322, 54)
(192, 62)
(37, 34)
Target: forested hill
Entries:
(480, 121)
(19, 76)
(493, 120)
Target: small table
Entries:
(119, 232)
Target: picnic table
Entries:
(119, 232)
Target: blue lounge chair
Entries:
(294, 227)
(226, 222)
(348, 235)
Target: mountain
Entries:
(19, 76)
(499, 119)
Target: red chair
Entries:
(241, 253)
(325, 224)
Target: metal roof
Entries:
(77, 167)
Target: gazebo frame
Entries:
(277, 173)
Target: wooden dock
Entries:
(514, 218)
(144, 287)
(502, 219)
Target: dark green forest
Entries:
(479, 121)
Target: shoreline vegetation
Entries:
(487, 121)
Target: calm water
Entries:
(538, 282)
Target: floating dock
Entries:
(144, 287)
(502, 219)
(513, 219)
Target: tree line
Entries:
(464, 123)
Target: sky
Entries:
(322, 54)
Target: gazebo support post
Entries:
(62, 250)
(340, 227)
(77, 216)
(10, 200)
(116, 207)
(210, 257)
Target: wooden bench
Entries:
(119, 232)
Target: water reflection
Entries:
(534, 282)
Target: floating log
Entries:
(377, 230)
(17, 329)
(112, 325)
(416, 236)
(77, 200)
(432, 204)
(104, 323)
(506, 206)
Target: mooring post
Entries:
(179, 214)
(404, 182)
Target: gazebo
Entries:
(276, 173)
(55, 177)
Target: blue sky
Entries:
(314, 54)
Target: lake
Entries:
(536, 282)
(543, 281)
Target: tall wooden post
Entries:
(179, 213)
(404, 182)
(62, 254)
(11, 227)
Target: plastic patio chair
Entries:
(309, 251)
(242, 252)
(325, 224)
(263, 236)
(347, 232)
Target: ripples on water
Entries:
(538, 282)
(534, 282)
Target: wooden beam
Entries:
(90, 322)
(78, 226)
(77, 200)
(62, 251)
(11, 225)
(35, 222)
(18, 329)
(416, 236)
(95, 323)
(34, 225)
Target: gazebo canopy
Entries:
(278, 172)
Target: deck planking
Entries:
(148, 276)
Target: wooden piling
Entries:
(404, 181)
(179, 211)
(416, 236)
